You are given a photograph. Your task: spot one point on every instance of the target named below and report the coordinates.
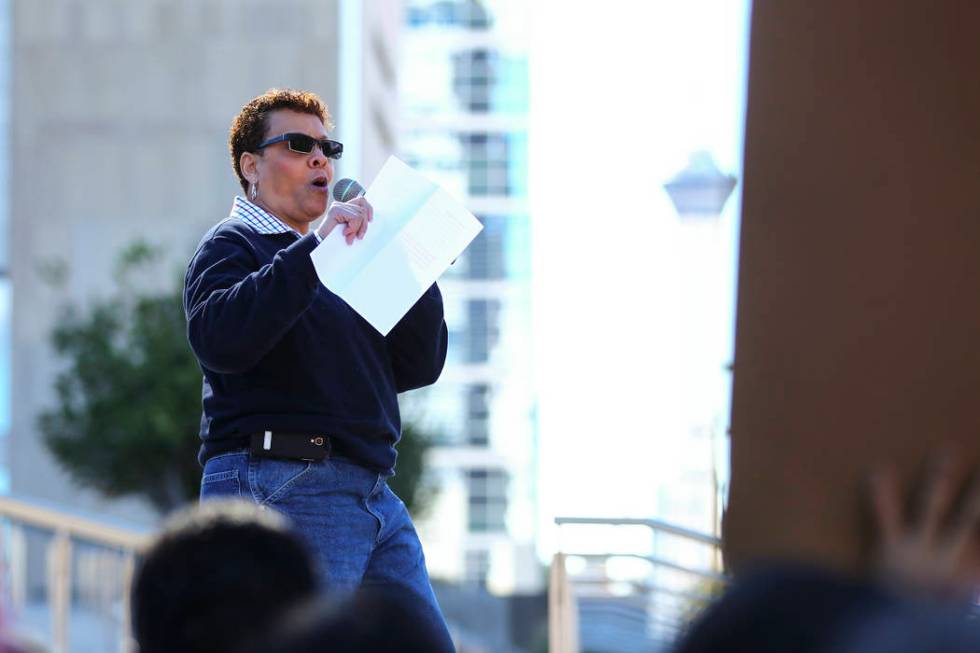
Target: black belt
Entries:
(294, 446)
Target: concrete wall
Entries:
(121, 112)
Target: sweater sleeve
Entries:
(237, 313)
(417, 345)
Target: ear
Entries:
(249, 163)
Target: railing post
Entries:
(65, 529)
(126, 641)
(562, 613)
(59, 588)
(18, 567)
(669, 600)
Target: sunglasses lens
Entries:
(301, 143)
(332, 149)
(304, 145)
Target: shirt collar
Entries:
(258, 218)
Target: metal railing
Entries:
(660, 602)
(71, 538)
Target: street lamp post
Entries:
(699, 192)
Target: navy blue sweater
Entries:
(280, 352)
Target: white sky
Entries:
(633, 308)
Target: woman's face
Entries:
(290, 184)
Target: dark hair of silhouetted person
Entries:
(217, 576)
(376, 618)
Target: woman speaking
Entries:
(300, 408)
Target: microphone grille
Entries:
(347, 189)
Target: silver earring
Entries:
(253, 191)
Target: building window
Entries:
(483, 332)
(475, 78)
(469, 14)
(487, 499)
(478, 414)
(485, 255)
(476, 568)
(477, 164)
(487, 162)
(502, 250)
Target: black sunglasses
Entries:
(303, 144)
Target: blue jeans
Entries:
(358, 530)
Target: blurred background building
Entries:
(141, 153)
(610, 400)
(130, 141)
(464, 94)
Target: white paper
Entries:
(417, 232)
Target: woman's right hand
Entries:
(354, 215)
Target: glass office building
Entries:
(464, 110)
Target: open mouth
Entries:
(320, 182)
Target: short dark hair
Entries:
(216, 577)
(248, 129)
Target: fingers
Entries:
(352, 230)
(363, 203)
(355, 216)
(967, 521)
(886, 496)
(933, 502)
(351, 227)
(930, 547)
(366, 209)
(936, 495)
(359, 225)
(346, 210)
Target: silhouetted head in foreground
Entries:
(376, 618)
(217, 576)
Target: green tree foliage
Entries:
(129, 399)
(410, 482)
(128, 408)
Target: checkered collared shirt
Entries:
(259, 219)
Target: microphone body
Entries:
(347, 189)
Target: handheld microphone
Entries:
(347, 189)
